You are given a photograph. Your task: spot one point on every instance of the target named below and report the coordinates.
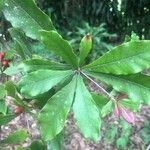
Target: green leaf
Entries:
(122, 142)
(42, 99)
(85, 47)
(16, 137)
(35, 64)
(2, 91)
(85, 111)
(54, 113)
(24, 14)
(100, 100)
(21, 42)
(41, 81)
(19, 50)
(37, 145)
(128, 58)
(11, 91)
(137, 86)
(132, 105)
(57, 142)
(1, 4)
(4, 119)
(12, 70)
(54, 42)
(107, 109)
(3, 107)
(10, 88)
(9, 54)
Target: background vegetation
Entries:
(108, 21)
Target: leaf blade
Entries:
(137, 86)
(54, 113)
(35, 64)
(30, 19)
(128, 58)
(35, 80)
(16, 137)
(84, 106)
(85, 47)
(54, 42)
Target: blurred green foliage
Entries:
(120, 16)
(97, 17)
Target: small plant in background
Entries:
(118, 134)
(56, 87)
(100, 37)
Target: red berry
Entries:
(2, 54)
(18, 110)
(5, 63)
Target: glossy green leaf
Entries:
(54, 42)
(137, 86)
(16, 137)
(11, 91)
(12, 70)
(41, 81)
(85, 47)
(21, 42)
(10, 88)
(2, 91)
(35, 64)
(9, 54)
(54, 113)
(107, 109)
(42, 99)
(4, 119)
(128, 58)
(100, 100)
(85, 111)
(24, 14)
(3, 107)
(19, 50)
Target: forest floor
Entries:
(74, 140)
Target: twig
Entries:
(103, 90)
